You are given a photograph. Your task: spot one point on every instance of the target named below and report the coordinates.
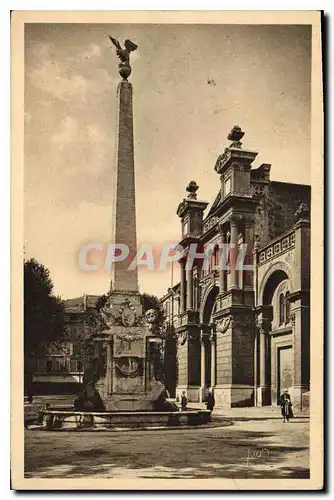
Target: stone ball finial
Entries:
(235, 136)
(192, 188)
(124, 71)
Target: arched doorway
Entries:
(208, 305)
(276, 357)
(271, 285)
(207, 349)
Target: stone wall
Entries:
(276, 208)
(283, 201)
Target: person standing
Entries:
(286, 406)
(211, 401)
(184, 401)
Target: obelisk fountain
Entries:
(126, 343)
(123, 383)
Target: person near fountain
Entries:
(211, 402)
(162, 403)
(88, 399)
(184, 401)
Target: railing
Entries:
(210, 223)
(58, 365)
(276, 247)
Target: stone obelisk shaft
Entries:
(124, 223)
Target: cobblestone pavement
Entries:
(250, 448)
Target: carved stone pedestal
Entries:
(128, 367)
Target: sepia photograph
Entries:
(167, 331)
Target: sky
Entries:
(191, 83)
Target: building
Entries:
(61, 368)
(171, 309)
(243, 330)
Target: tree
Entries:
(168, 345)
(43, 311)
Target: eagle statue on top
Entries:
(123, 54)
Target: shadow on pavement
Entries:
(175, 454)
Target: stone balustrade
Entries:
(276, 247)
(210, 223)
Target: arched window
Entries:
(287, 307)
(281, 309)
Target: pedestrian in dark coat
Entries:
(286, 406)
(184, 401)
(211, 401)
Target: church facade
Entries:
(243, 330)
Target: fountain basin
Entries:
(90, 420)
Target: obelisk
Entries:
(124, 223)
(126, 343)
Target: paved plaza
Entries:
(255, 445)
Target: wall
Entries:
(284, 199)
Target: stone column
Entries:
(109, 367)
(233, 251)
(263, 389)
(221, 259)
(124, 214)
(190, 290)
(263, 374)
(213, 358)
(301, 349)
(255, 366)
(248, 261)
(300, 313)
(182, 287)
(256, 246)
(203, 386)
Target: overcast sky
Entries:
(260, 80)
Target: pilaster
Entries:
(262, 349)
(189, 363)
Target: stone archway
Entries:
(274, 341)
(207, 305)
(207, 310)
(271, 285)
(272, 274)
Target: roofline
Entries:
(167, 294)
(290, 183)
(81, 297)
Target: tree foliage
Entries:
(43, 311)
